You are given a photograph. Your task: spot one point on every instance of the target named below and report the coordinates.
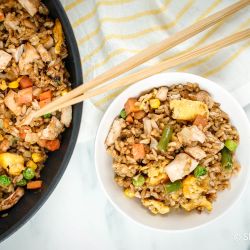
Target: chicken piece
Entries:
(31, 138)
(11, 22)
(196, 152)
(48, 42)
(162, 94)
(182, 165)
(17, 53)
(187, 109)
(190, 134)
(115, 131)
(66, 116)
(5, 58)
(155, 206)
(10, 102)
(52, 131)
(203, 96)
(147, 126)
(29, 56)
(45, 55)
(31, 6)
(12, 199)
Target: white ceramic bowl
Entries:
(132, 208)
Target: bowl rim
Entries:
(99, 131)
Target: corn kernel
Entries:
(129, 193)
(155, 103)
(31, 164)
(37, 157)
(14, 84)
(64, 92)
(1, 137)
(3, 85)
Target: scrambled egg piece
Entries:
(187, 109)
(12, 163)
(192, 190)
(58, 36)
(155, 206)
(201, 202)
(156, 175)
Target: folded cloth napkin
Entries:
(110, 31)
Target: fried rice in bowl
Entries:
(173, 146)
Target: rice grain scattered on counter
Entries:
(173, 148)
(32, 74)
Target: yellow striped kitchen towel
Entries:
(110, 31)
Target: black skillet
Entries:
(58, 160)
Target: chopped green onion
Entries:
(28, 173)
(123, 114)
(4, 181)
(21, 183)
(199, 171)
(231, 145)
(173, 186)
(138, 180)
(46, 116)
(226, 158)
(165, 138)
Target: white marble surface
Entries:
(78, 216)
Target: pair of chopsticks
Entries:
(89, 89)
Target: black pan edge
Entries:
(57, 11)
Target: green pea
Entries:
(4, 181)
(138, 180)
(173, 186)
(123, 114)
(231, 145)
(28, 173)
(21, 183)
(226, 158)
(199, 171)
(46, 116)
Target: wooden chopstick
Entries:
(157, 68)
(147, 54)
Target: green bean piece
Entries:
(199, 171)
(173, 186)
(4, 181)
(138, 180)
(28, 173)
(231, 145)
(21, 183)
(226, 158)
(46, 116)
(123, 114)
(165, 138)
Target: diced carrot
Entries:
(130, 106)
(25, 82)
(6, 122)
(138, 151)
(24, 96)
(44, 102)
(53, 145)
(129, 119)
(45, 95)
(1, 16)
(34, 184)
(200, 120)
(139, 115)
(22, 131)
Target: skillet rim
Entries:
(77, 109)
